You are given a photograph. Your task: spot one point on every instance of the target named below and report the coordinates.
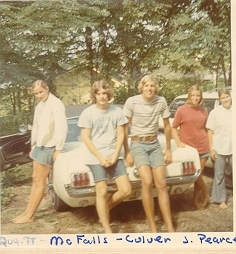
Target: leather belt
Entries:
(144, 139)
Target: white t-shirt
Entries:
(103, 126)
(220, 121)
(145, 115)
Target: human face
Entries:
(101, 97)
(149, 90)
(226, 100)
(41, 93)
(195, 98)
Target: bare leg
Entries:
(199, 185)
(124, 190)
(102, 205)
(197, 188)
(159, 176)
(145, 174)
(203, 186)
(40, 174)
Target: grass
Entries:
(12, 177)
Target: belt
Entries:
(144, 139)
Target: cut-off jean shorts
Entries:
(147, 153)
(43, 155)
(101, 174)
(204, 155)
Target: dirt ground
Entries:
(128, 217)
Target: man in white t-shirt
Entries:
(103, 134)
(219, 125)
(143, 112)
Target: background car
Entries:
(71, 183)
(14, 149)
(210, 101)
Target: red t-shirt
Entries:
(192, 122)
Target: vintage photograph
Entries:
(116, 117)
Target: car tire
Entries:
(228, 176)
(58, 204)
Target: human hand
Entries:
(181, 144)
(129, 159)
(168, 156)
(113, 159)
(105, 162)
(213, 155)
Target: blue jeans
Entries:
(218, 188)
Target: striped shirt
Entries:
(145, 115)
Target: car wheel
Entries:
(228, 176)
(57, 203)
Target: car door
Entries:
(14, 149)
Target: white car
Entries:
(71, 183)
(210, 101)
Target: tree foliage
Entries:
(122, 39)
(200, 39)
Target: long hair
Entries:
(97, 86)
(190, 90)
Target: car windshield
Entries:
(73, 130)
(207, 103)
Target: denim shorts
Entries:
(147, 153)
(101, 174)
(204, 155)
(43, 155)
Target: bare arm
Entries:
(120, 141)
(86, 137)
(128, 157)
(210, 134)
(167, 131)
(175, 135)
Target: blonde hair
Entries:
(144, 80)
(190, 90)
(39, 83)
(97, 86)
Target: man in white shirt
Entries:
(219, 125)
